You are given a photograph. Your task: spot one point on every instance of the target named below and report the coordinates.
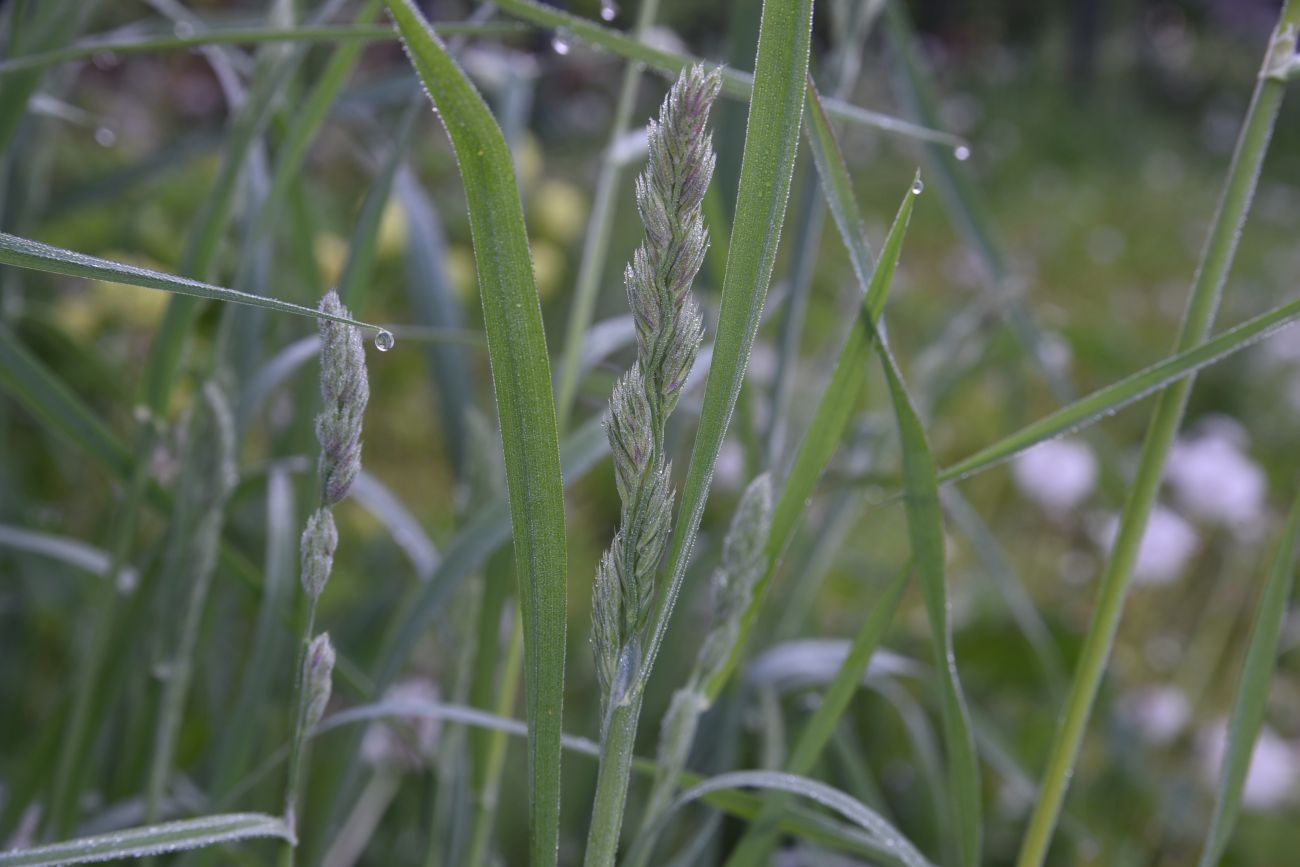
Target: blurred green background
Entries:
(1099, 136)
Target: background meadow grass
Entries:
(1075, 225)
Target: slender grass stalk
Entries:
(669, 329)
(733, 587)
(209, 475)
(599, 227)
(345, 390)
(1202, 304)
(1252, 692)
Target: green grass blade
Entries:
(1202, 306)
(151, 840)
(1108, 400)
(925, 529)
(33, 255)
(738, 85)
(1252, 691)
(146, 44)
(847, 380)
(878, 829)
(521, 375)
(756, 843)
(35, 386)
(767, 166)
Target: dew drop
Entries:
(917, 187)
(608, 10)
(183, 30)
(560, 42)
(962, 153)
(105, 137)
(384, 340)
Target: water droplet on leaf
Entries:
(917, 187)
(608, 10)
(105, 137)
(561, 42)
(961, 152)
(384, 340)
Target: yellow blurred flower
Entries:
(548, 267)
(82, 313)
(461, 270)
(331, 253)
(528, 160)
(392, 230)
(559, 210)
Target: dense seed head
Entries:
(669, 329)
(744, 559)
(344, 393)
(319, 540)
(317, 679)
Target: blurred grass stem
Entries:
(1203, 303)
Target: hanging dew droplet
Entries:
(105, 137)
(608, 10)
(183, 30)
(384, 340)
(560, 43)
(917, 187)
(961, 152)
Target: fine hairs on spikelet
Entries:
(669, 193)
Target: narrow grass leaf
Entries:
(521, 375)
(767, 166)
(879, 829)
(738, 85)
(1106, 401)
(925, 529)
(151, 840)
(1252, 691)
(153, 43)
(33, 255)
(847, 380)
(73, 552)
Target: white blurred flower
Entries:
(1274, 767)
(408, 742)
(1159, 713)
(1213, 479)
(1057, 474)
(1167, 545)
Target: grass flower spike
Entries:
(669, 329)
(345, 390)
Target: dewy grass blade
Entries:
(1202, 305)
(1252, 691)
(151, 840)
(521, 374)
(33, 255)
(145, 44)
(738, 85)
(878, 829)
(925, 529)
(1112, 398)
(767, 166)
(846, 383)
